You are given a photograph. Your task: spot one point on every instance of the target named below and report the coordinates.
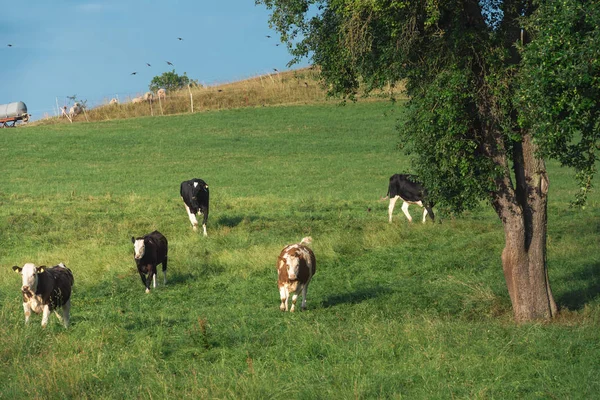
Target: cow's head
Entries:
(139, 247)
(29, 272)
(198, 188)
(292, 263)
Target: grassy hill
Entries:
(394, 311)
(293, 87)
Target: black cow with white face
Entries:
(149, 251)
(195, 198)
(45, 290)
(407, 188)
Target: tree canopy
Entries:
(170, 81)
(466, 69)
(495, 87)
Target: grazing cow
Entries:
(114, 101)
(161, 94)
(407, 188)
(296, 266)
(195, 198)
(148, 96)
(149, 251)
(137, 100)
(45, 290)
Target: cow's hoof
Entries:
(147, 290)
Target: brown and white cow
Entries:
(296, 266)
(45, 290)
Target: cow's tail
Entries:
(306, 241)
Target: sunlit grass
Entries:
(394, 311)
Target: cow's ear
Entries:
(41, 269)
(17, 269)
(132, 239)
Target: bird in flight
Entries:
(133, 73)
(180, 38)
(148, 64)
(269, 36)
(170, 63)
(275, 69)
(9, 45)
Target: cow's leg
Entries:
(405, 210)
(192, 218)
(430, 212)
(153, 274)
(304, 290)
(424, 214)
(66, 311)
(204, 219)
(283, 295)
(164, 269)
(27, 311)
(45, 315)
(63, 313)
(391, 206)
(145, 281)
(59, 315)
(294, 298)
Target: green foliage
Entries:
(559, 85)
(394, 311)
(440, 131)
(550, 87)
(170, 81)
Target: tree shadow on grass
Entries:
(356, 296)
(588, 290)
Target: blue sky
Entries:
(89, 49)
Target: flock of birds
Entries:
(149, 65)
(169, 62)
(180, 39)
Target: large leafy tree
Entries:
(495, 87)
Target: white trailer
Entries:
(11, 113)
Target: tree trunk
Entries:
(523, 211)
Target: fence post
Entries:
(191, 98)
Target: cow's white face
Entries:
(292, 264)
(29, 274)
(139, 249)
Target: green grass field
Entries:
(394, 311)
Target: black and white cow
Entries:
(407, 188)
(45, 290)
(195, 198)
(149, 251)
